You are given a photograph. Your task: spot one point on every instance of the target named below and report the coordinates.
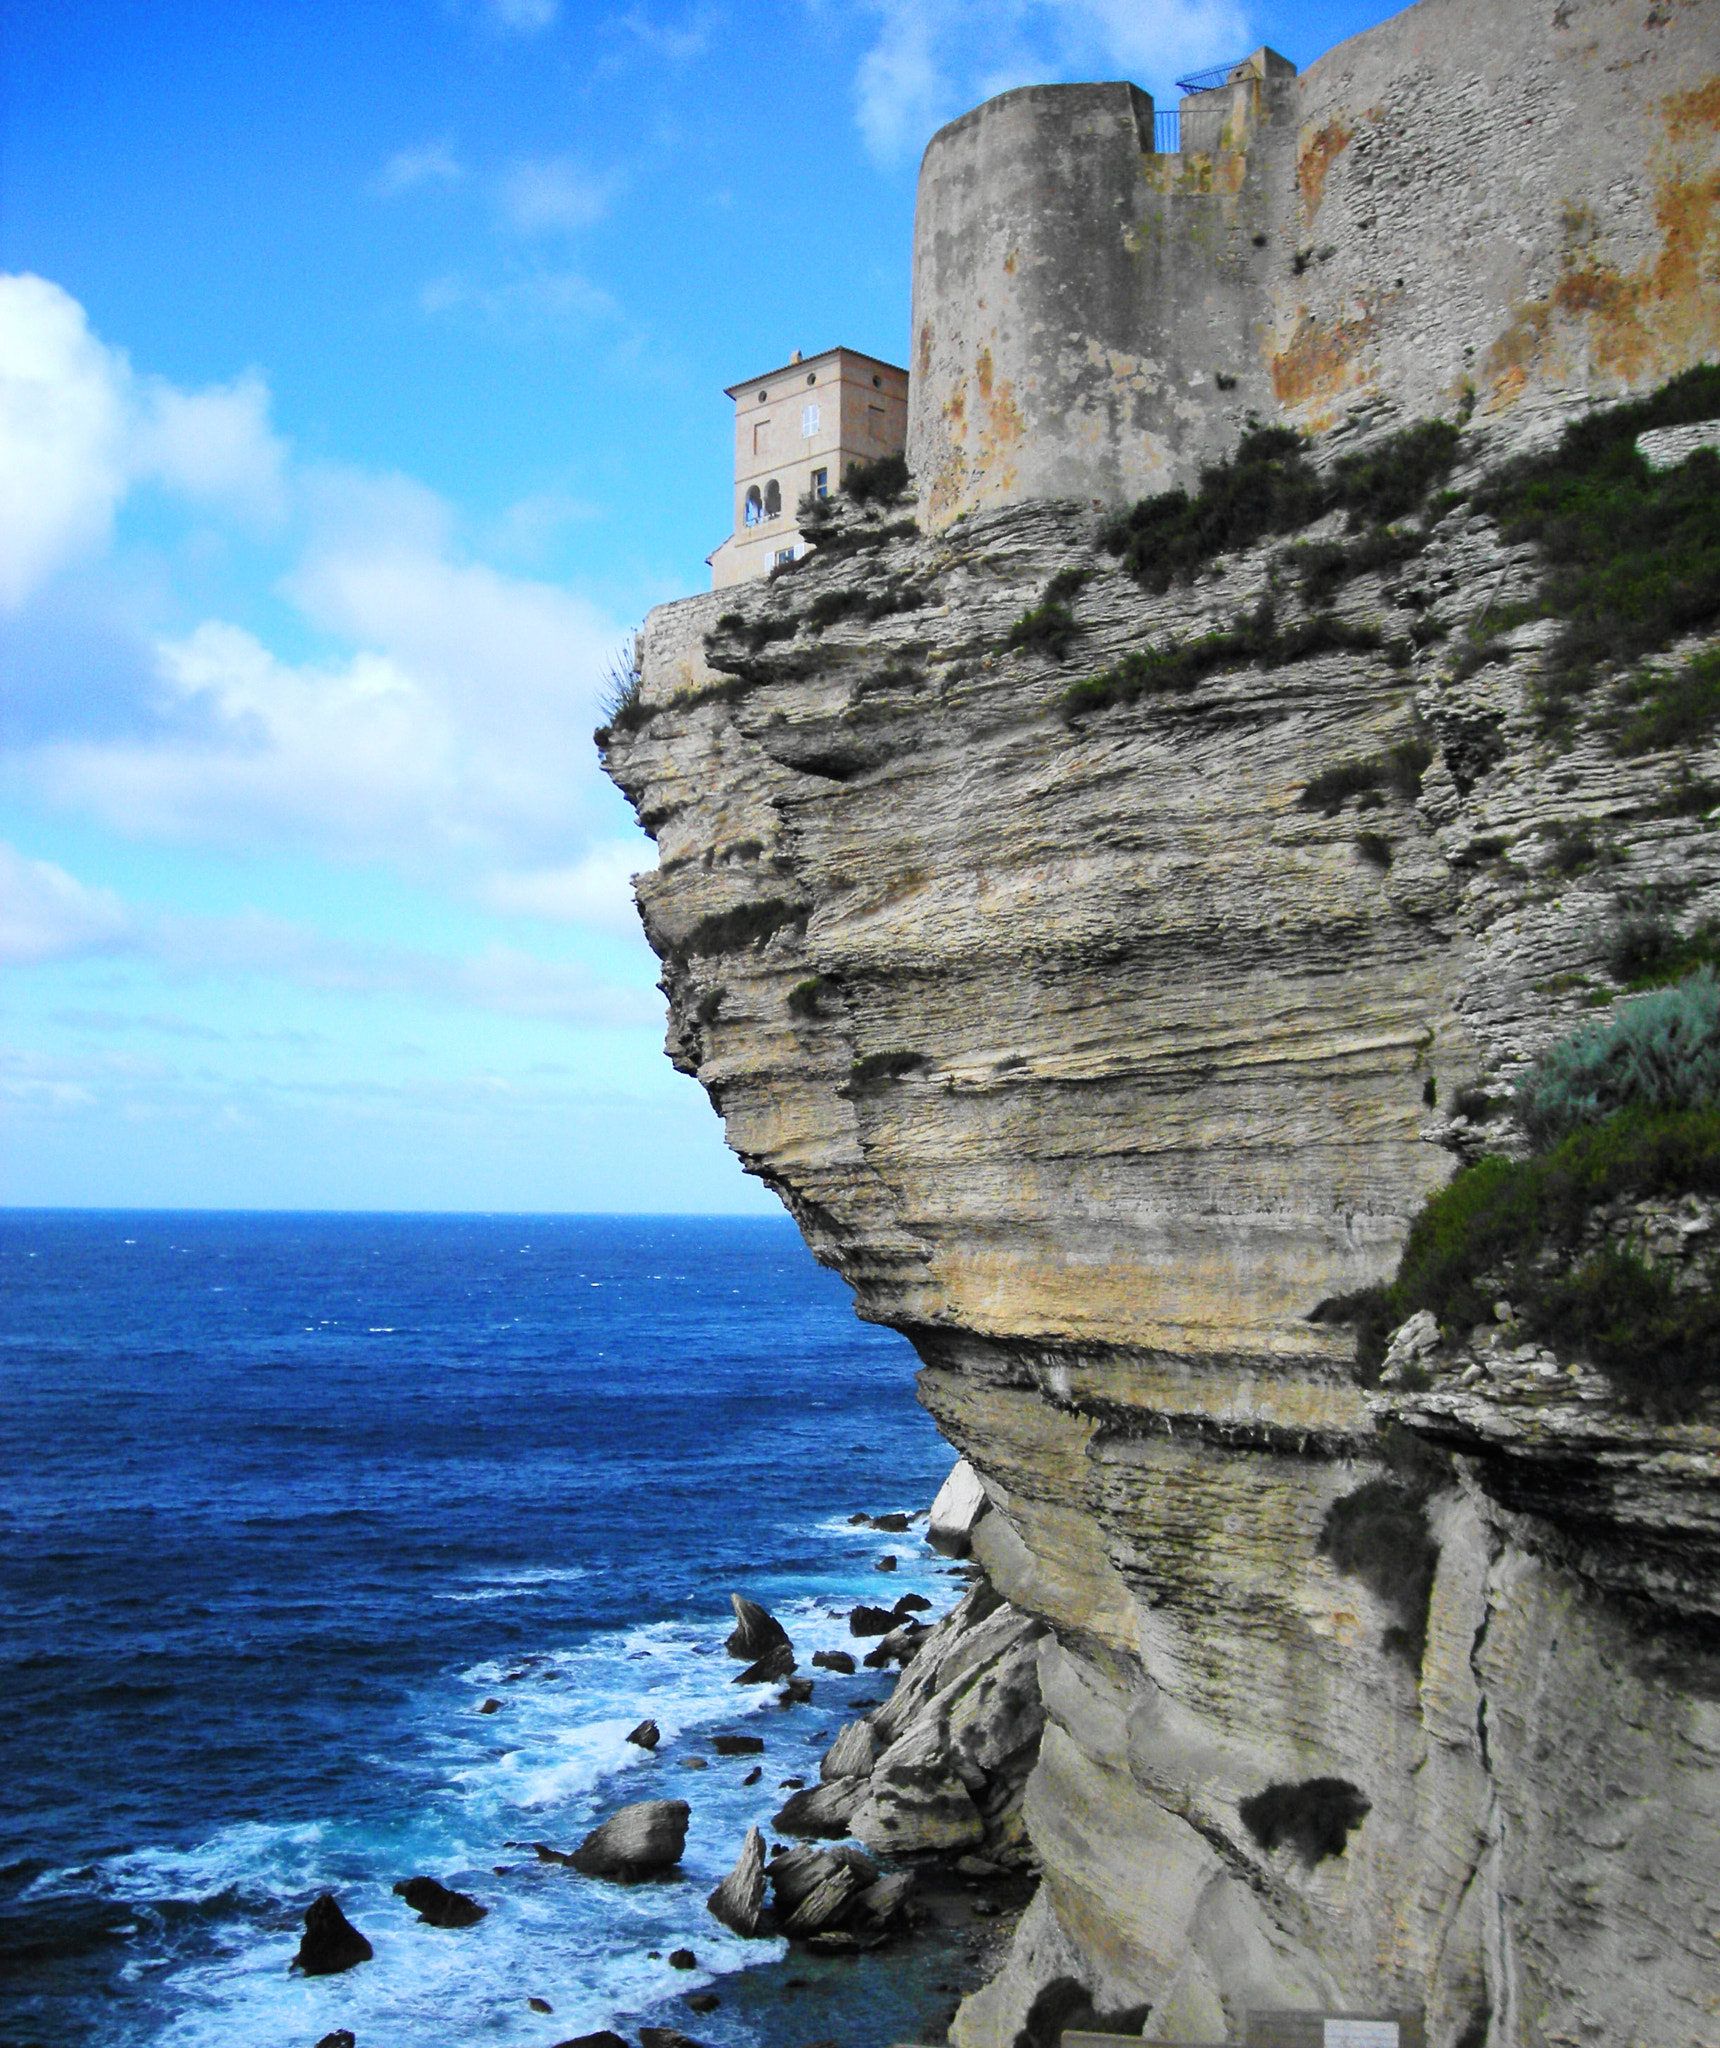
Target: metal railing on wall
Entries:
(1167, 133)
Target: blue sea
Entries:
(284, 1499)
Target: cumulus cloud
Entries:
(553, 195)
(78, 429)
(46, 914)
(434, 712)
(926, 64)
(459, 732)
(524, 17)
(596, 890)
(431, 163)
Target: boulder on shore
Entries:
(636, 1841)
(647, 1735)
(853, 1753)
(738, 1902)
(330, 1942)
(956, 1512)
(834, 1660)
(814, 1889)
(777, 1662)
(438, 1905)
(756, 1630)
(822, 1809)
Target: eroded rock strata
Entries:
(1097, 1060)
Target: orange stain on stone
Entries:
(1318, 362)
(1640, 324)
(1317, 159)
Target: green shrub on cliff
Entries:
(1518, 1227)
(1269, 486)
(1255, 640)
(1658, 1052)
(1051, 626)
(1632, 556)
(884, 478)
(1380, 1535)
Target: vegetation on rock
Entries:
(1398, 769)
(1255, 640)
(1632, 560)
(1269, 486)
(1313, 1817)
(1379, 1534)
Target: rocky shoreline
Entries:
(912, 1836)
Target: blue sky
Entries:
(361, 375)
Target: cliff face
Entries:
(1096, 1060)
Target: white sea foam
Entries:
(546, 1767)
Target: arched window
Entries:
(755, 506)
(772, 499)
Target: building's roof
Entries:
(764, 376)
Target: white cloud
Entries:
(62, 435)
(553, 195)
(457, 736)
(677, 42)
(928, 63)
(596, 890)
(46, 914)
(524, 17)
(431, 163)
(215, 444)
(78, 429)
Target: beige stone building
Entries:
(796, 431)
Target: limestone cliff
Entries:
(1104, 1040)
(1096, 1059)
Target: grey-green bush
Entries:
(1657, 1052)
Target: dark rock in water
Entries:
(738, 1902)
(822, 1809)
(859, 1521)
(638, 1841)
(794, 1872)
(664, 2037)
(342, 2037)
(826, 1904)
(884, 1905)
(891, 1524)
(702, 2001)
(683, 1959)
(834, 1660)
(540, 2005)
(871, 1621)
(330, 1942)
(790, 1784)
(492, 1706)
(753, 1776)
(694, 1763)
(602, 2040)
(647, 1735)
(438, 1905)
(876, 1660)
(545, 1854)
(738, 1745)
(776, 1663)
(911, 1603)
(756, 1630)
(797, 1693)
(899, 1646)
(887, 1563)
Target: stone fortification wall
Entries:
(1075, 296)
(1518, 201)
